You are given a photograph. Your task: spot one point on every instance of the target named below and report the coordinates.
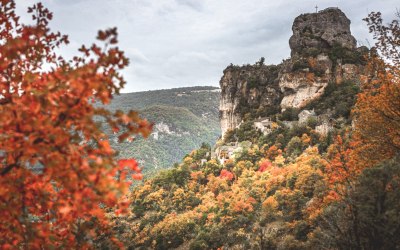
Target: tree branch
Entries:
(7, 169)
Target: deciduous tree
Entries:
(57, 168)
(377, 112)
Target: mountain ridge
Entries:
(183, 119)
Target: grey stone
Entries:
(320, 31)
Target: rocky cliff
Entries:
(246, 89)
(319, 32)
(322, 51)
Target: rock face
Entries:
(248, 88)
(302, 85)
(322, 51)
(321, 31)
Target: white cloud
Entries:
(136, 55)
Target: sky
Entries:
(176, 43)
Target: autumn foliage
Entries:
(225, 174)
(58, 173)
(375, 136)
(298, 190)
(377, 110)
(57, 169)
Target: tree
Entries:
(364, 171)
(377, 111)
(342, 170)
(367, 218)
(57, 169)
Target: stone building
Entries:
(226, 152)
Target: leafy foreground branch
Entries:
(56, 164)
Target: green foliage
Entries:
(318, 72)
(243, 107)
(253, 83)
(247, 132)
(249, 155)
(267, 112)
(282, 135)
(368, 217)
(198, 244)
(197, 209)
(290, 114)
(192, 98)
(300, 65)
(337, 52)
(261, 61)
(191, 115)
(212, 167)
(325, 142)
(301, 230)
(257, 77)
(230, 136)
(312, 122)
(311, 51)
(176, 176)
(174, 236)
(291, 204)
(294, 147)
(204, 152)
(339, 98)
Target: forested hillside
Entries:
(294, 188)
(183, 119)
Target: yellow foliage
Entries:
(279, 160)
(188, 160)
(270, 204)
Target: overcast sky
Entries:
(175, 43)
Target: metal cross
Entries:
(316, 8)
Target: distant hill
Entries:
(183, 119)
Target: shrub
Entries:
(198, 245)
(230, 136)
(253, 83)
(339, 98)
(300, 65)
(247, 132)
(312, 122)
(346, 55)
(290, 114)
(294, 147)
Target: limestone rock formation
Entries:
(322, 51)
(319, 32)
(245, 88)
(299, 86)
